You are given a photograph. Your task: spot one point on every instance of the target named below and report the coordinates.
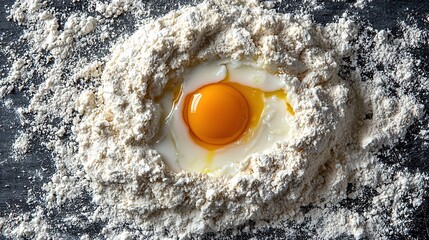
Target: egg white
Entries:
(176, 144)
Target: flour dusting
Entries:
(93, 95)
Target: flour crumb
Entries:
(22, 144)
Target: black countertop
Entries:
(19, 176)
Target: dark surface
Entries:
(17, 176)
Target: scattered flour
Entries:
(353, 90)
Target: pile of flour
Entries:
(353, 90)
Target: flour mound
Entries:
(121, 119)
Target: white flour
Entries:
(328, 181)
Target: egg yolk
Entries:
(217, 114)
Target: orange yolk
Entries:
(221, 113)
(217, 114)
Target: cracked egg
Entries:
(223, 112)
